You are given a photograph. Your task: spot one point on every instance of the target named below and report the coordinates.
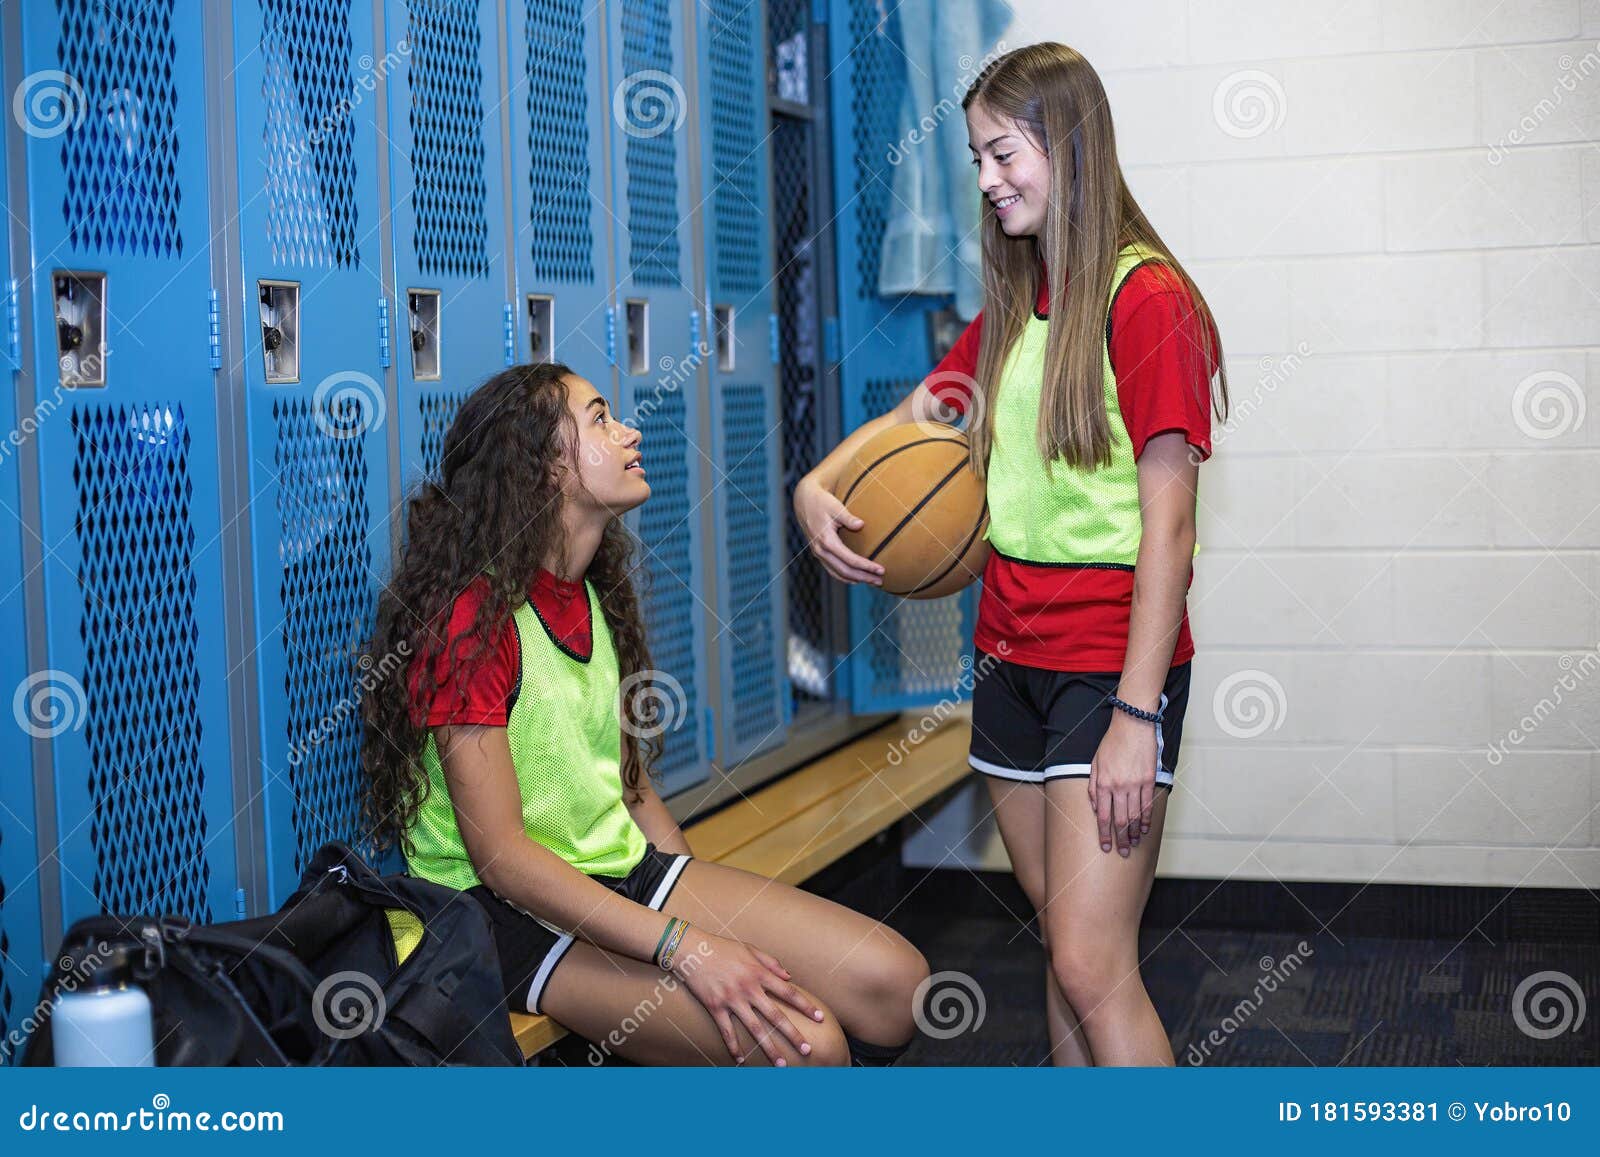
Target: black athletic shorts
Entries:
(529, 949)
(1034, 725)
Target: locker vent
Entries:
(666, 528)
(916, 646)
(141, 681)
(651, 155)
(327, 615)
(558, 141)
(121, 160)
(451, 233)
(752, 590)
(309, 135)
(877, 77)
(438, 410)
(737, 149)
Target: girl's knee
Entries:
(829, 1048)
(1086, 973)
(892, 980)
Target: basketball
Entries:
(923, 510)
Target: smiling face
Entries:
(1013, 172)
(608, 457)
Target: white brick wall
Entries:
(1400, 529)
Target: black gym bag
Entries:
(315, 983)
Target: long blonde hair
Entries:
(1051, 92)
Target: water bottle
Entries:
(105, 1020)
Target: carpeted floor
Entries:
(1248, 996)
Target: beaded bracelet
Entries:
(671, 953)
(1136, 712)
(672, 923)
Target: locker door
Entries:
(658, 342)
(129, 510)
(905, 653)
(20, 948)
(557, 107)
(453, 324)
(741, 352)
(306, 116)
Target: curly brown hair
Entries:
(496, 503)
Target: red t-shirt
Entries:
(1076, 618)
(492, 678)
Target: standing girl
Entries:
(506, 767)
(1086, 381)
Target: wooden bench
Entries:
(793, 828)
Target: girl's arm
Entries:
(483, 791)
(1122, 786)
(821, 514)
(734, 982)
(654, 820)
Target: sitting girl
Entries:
(507, 769)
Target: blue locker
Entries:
(658, 337)
(741, 352)
(556, 105)
(905, 653)
(20, 948)
(132, 582)
(454, 326)
(307, 117)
